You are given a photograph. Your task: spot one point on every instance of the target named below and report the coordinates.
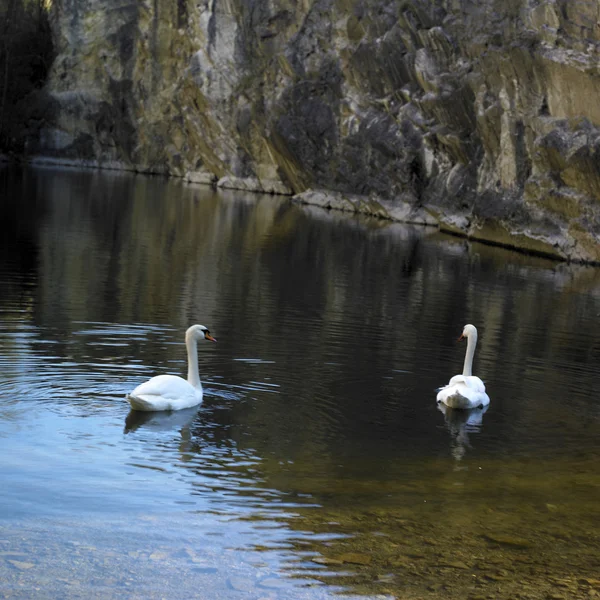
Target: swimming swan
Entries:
(466, 390)
(169, 392)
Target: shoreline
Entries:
(492, 232)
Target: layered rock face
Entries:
(481, 117)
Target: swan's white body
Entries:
(465, 391)
(169, 392)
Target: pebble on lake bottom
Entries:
(21, 565)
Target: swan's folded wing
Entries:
(476, 384)
(471, 381)
(169, 387)
(457, 379)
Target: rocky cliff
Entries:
(480, 116)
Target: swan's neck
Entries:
(192, 352)
(468, 366)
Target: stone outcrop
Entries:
(480, 117)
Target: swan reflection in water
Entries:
(460, 423)
(160, 421)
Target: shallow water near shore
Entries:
(318, 463)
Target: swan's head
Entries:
(199, 332)
(469, 331)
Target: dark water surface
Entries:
(319, 461)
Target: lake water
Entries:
(318, 462)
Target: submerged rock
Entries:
(324, 560)
(508, 540)
(21, 565)
(240, 584)
(454, 564)
(355, 558)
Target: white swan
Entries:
(466, 390)
(169, 392)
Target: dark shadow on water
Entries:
(160, 421)
(460, 423)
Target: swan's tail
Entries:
(457, 400)
(140, 403)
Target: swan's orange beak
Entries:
(462, 337)
(209, 337)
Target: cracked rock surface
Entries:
(481, 117)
